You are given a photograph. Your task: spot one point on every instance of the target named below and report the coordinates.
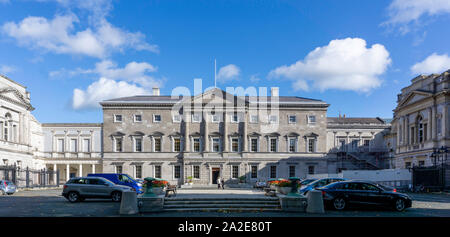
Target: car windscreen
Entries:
(307, 181)
(125, 178)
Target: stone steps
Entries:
(223, 210)
(228, 204)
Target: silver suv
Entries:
(80, 188)
(7, 187)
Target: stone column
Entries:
(54, 174)
(433, 124)
(445, 120)
(244, 134)
(80, 170)
(408, 137)
(430, 124)
(225, 132)
(67, 172)
(187, 141)
(206, 134)
(398, 131)
(93, 168)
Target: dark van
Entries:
(121, 179)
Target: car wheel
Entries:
(116, 196)
(399, 204)
(339, 204)
(73, 197)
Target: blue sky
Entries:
(71, 54)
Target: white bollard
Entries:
(315, 202)
(128, 205)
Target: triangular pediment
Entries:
(214, 97)
(413, 97)
(14, 96)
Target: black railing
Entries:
(29, 178)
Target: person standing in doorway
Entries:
(218, 183)
(222, 181)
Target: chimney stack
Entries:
(274, 91)
(155, 91)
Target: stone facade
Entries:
(421, 120)
(297, 119)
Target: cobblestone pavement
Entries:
(50, 203)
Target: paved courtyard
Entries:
(50, 203)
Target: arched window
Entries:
(420, 129)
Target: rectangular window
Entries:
(254, 173)
(157, 144)
(292, 171)
(254, 119)
(138, 171)
(425, 132)
(273, 119)
(215, 118)
(60, 145)
(86, 145)
(177, 172)
(176, 118)
(254, 144)
(177, 144)
(342, 142)
(311, 119)
(312, 145)
(273, 172)
(235, 173)
(292, 144)
(366, 143)
(421, 163)
(196, 118)
(196, 144)
(292, 119)
(216, 144)
(235, 118)
(273, 145)
(439, 126)
(117, 118)
(73, 145)
(138, 144)
(118, 144)
(156, 118)
(137, 118)
(118, 169)
(310, 169)
(235, 144)
(407, 165)
(196, 172)
(157, 171)
(412, 135)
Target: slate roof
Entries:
(351, 120)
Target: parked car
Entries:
(317, 184)
(306, 182)
(342, 194)
(80, 188)
(7, 187)
(121, 179)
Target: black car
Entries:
(342, 194)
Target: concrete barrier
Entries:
(151, 204)
(128, 205)
(315, 202)
(292, 204)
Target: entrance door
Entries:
(215, 175)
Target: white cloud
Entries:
(133, 72)
(228, 72)
(434, 63)
(104, 89)
(5, 69)
(344, 64)
(403, 12)
(58, 35)
(255, 78)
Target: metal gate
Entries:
(432, 178)
(29, 178)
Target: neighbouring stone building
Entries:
(20, 133)
(421, 120)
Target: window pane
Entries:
(254, 172)
(157, 144)
(177, 174)
(138, 171)
(235, 172)
(273, 144)
(119, 144)
(177, 144)
(196, 144)
(196, 172)
(291, 171)
(254, 145)
(118, 169)
(138, 144)
(158, 171)
(273, 172)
